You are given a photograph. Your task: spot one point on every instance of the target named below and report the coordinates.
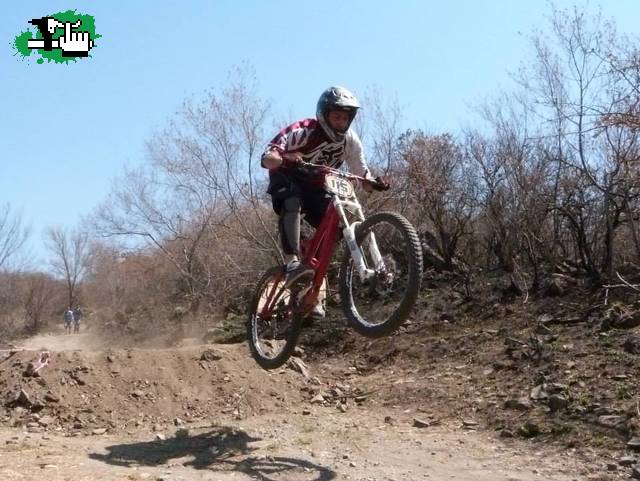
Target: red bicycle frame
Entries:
(316, 252)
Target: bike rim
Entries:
(271, 335)
(376, 301)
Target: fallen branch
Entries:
(618, 286)
(512, 341)
(634, 287)
(566, 321)
(625, 284)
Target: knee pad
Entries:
(289, 225)
(292, 205)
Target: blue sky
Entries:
(67, 130)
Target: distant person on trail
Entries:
(77, 315)
(324, 140)
(68, 319)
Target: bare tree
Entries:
(9, 303)
(70, 257)
(441, 186)
(37, 297)
(223, 136)
(13, 233)
(379, 126)
(197, 198)
(624, 63)
(571, 88)
(159, 209)
(622, 128)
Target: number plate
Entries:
(339, 186)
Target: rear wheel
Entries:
(272, 337)
(378, 306)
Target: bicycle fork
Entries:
(348, 232)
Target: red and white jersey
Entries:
(307, 138)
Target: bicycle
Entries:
(379, 278)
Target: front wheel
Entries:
(272, 325)
(377, 306)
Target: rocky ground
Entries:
(206, 412)
(501, 388)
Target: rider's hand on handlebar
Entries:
(380, 184)
(290, 159)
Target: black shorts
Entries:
(314, 199)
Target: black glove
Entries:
(291, 161)
(380, 184)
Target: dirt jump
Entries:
(208, 412)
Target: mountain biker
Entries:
(324, 140)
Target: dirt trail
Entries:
(317, 447)
(59, 341)
(242, 423)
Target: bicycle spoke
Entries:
(272, 330)
(377, 305)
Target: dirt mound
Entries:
(138, 389)
(128, 389)
(161, 414)
(557, 373)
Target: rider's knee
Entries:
(292, 204)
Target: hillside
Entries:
(498, 389)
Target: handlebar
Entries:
(378, 183)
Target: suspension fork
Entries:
(348, 231)
(378, 261)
